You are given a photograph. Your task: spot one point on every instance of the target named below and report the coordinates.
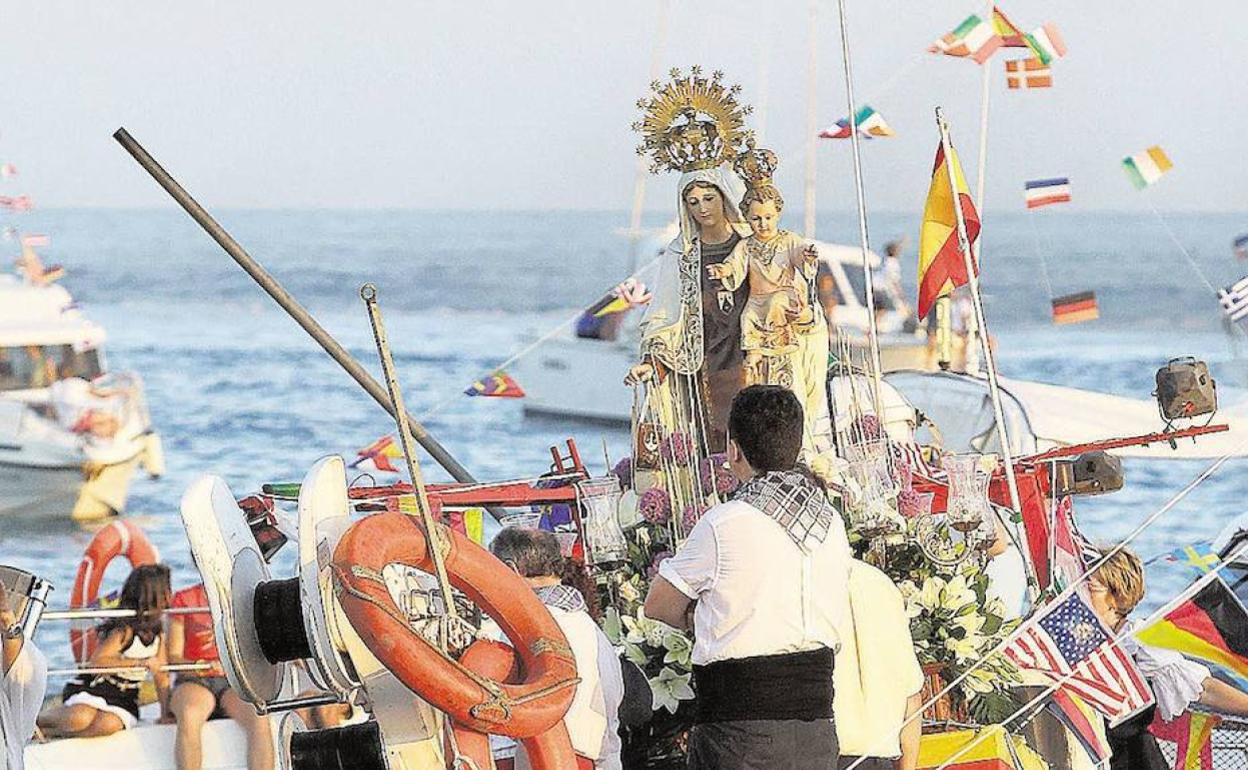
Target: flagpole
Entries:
(994, 387)
(643, 172)
(873, 339)
(812, 123)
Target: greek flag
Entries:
(1234, 300)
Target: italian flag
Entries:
(1146, 167)
(974, 37)
(1046, 43)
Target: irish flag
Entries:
(869, 122)
(942, 267)
(974, 37)
(1146, 167)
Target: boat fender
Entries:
(120, 538)
(523, 709)
(356, 746)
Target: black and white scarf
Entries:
(562, 597)
(793, 500)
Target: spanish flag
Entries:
(1211, 628)
(941, 266)
(380, 452)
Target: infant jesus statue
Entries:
(780, 320)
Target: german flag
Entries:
(1211, 627)
(1075, 308)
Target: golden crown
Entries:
(755, 167)
(691, 122)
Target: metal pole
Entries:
(127, 669)
(87, 613)
(288, 303)
(812, 121)
(964, 246)
(873, 338)
(433, 538)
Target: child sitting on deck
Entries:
(102, 704)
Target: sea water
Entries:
(236, 389)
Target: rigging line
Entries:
(1087, 573)
(1115, 641)
(1183, 249)
(438, 406)
(1044, 262)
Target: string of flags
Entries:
(1027, 73)
(1075, 308)
(1234, 302)
(978, 40)
(497, 385)
(1045, 192)
(869, 122)
(1145, 168)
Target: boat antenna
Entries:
(873, 339)
(434, 538)
(289, 304)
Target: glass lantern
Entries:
(600, 523)
(872, 494)
(967, 508)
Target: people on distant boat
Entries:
(1115, 589)
(23, 680)
(102, 704)
(765, 578)
(878, 679)
(42, 367)
(84, 407)
(593, 718)
(202, 695)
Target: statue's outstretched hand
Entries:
(632, 291)
(640, 373)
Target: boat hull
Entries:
(146, 747)
(84, 492)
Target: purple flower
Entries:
(623, 470)
(655, 506)
(676, 448)
(911, 503)
(691, 515)
(658, 559)
(724, 482)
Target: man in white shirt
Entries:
(593, 718)
(23, 681)
(766, 576)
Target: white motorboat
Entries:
(56, 459)
(583, 377)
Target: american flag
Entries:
(1069, 644)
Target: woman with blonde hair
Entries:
(1115, 588)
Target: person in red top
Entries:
(200, 695)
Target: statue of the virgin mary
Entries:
(691, 358)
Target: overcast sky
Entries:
(528, 104)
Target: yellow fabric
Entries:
(876, 669)
(939, 218)
(991, 752)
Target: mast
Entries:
(873, 340)
(642, 172)
(994, 388)
(812, 121)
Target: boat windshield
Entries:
(38, 366)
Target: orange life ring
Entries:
(119, 538)
(551, 749)
(525, 709)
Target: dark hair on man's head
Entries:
(533, 552)
(766, 423)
